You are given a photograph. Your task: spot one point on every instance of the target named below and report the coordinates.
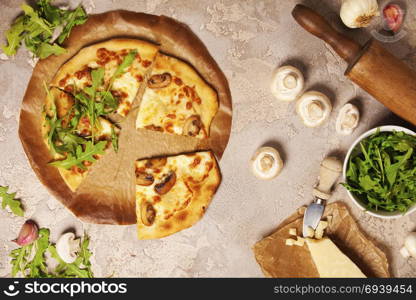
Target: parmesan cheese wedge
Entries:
(330, 261)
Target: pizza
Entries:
(60, 136)
(177, 100)
(125, 63)
(172, 193)
(104, 80)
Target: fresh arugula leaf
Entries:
(121, 69)
(74, 18)
(381, 172)
(81, 155)
(114, 139)
(51, 13)
(10, 201)
(37, 267)
(19, 259)
(14, 37)
(69, 140)
(44, 50)
(36, 28)
(35, 19)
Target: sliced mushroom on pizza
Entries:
(177, 100)
(172, 193)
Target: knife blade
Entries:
(330, 170)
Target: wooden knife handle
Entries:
(311, 21)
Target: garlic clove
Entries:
(347, 120)
(393, 16)
(313, 108)
(287, 83)
(358, 13)
(68, 247)
(28, 233)
(266, 163)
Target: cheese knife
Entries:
(330, 170)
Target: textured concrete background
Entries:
(248, 39)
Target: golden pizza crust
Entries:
(186, 88)
(87, 55)
(187, 214)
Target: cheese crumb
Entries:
(310, 232)
(300, 241)
(290, 242)
(293, 231)
(319, 232)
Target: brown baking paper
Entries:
(107, 195)
(281, 261)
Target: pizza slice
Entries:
(172, 193)
(124, 64)
(177, 100)
(72, 140)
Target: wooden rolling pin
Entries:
(372, 67)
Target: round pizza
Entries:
(104, 83)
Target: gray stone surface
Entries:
(248, 39)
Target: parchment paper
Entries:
(107, 195)
(278, 260)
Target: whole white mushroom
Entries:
(314, 108)
(68, 247)
(266, 163)
(409, 248)
(287, 83)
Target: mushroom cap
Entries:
(67, 247)
(347, 120)
(266, 163)
(287, 83)
(409, 248)
(314, 108)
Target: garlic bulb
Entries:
(358, 13)
(314, 108)
(287, 83)
(266, 163)
(347, 120)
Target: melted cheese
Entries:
(189, 170)
(128, 84)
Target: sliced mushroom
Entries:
(144, 179)
(347, 120)
(287, 83)
(192, 126)
(157, 162)
(147, 213)
(314, 108)
(166, 184)
(159, 81)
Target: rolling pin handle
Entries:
(311, 21)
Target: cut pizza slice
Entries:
(177, 100)
(172, 193)
(122, 63)
(68, 135)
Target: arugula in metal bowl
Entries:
(381, 171)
